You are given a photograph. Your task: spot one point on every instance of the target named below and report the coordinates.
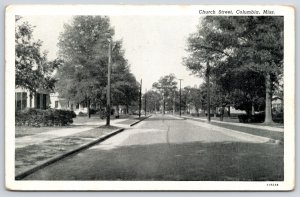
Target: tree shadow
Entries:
(193, 161)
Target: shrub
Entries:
(82, 114)
(93, 111)
(278, 117)
(243, 118)
(48, 117)
(256, 118)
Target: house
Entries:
(277, 104)
(26, 99)
(43, 99)
(62, 103)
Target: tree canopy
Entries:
(33, 70)
(245, 53)
(84, 46)
(166, 86)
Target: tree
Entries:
(193, 97)
(153, 100)
(205, 51)
(166, 86)
(244, 44)
(33, 70)
(83, 78)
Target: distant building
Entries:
(277, 104)
(62, 103)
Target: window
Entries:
(24, 100)
(56, 104)
(21, 100)
(38, 102)
(44, 106)
(18, 101)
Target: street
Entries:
(171, 148)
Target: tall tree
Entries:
(84, 47)
(33, 70)
(205, 51)
(247, 43)
(166, 86)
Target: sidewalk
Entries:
(34, 150)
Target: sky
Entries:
(154, 45)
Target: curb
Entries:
(140, 120)
(69, 153)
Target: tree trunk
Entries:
(174, 105)
(164, 104)
(127, 109)
(268, 109)
(216, 111)
(208, 91)
(100, 111)
(118, 109)
(228, 111)
(252, 109)
(88, 107)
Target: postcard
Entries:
(150, 98)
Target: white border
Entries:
(153, 10)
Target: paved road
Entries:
(170, 148)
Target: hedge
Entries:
(47, 117)
(259, 118)
(256, 118)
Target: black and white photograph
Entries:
(120, 97)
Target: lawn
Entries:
(33, 155)
(22, 131)
(260, 132)
(254, 131)
(96, 118)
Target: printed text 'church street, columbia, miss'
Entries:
(239, 12)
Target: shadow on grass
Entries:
(196, 161)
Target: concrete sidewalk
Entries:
(21, 142)
(268, 128)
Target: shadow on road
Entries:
(194, 161)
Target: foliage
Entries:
(153, 99)
(48, 117)
(193, 96)
(33, 70)
(84, 46)
(245, 53)
(167, 87)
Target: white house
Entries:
(26, 99)
(61, 103)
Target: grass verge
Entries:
(33, 155)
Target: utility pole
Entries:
(108, 84)
(145, 103)
(180, 96)
(140, 103)
(164, 103)
(174, 100)
(208, 90)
